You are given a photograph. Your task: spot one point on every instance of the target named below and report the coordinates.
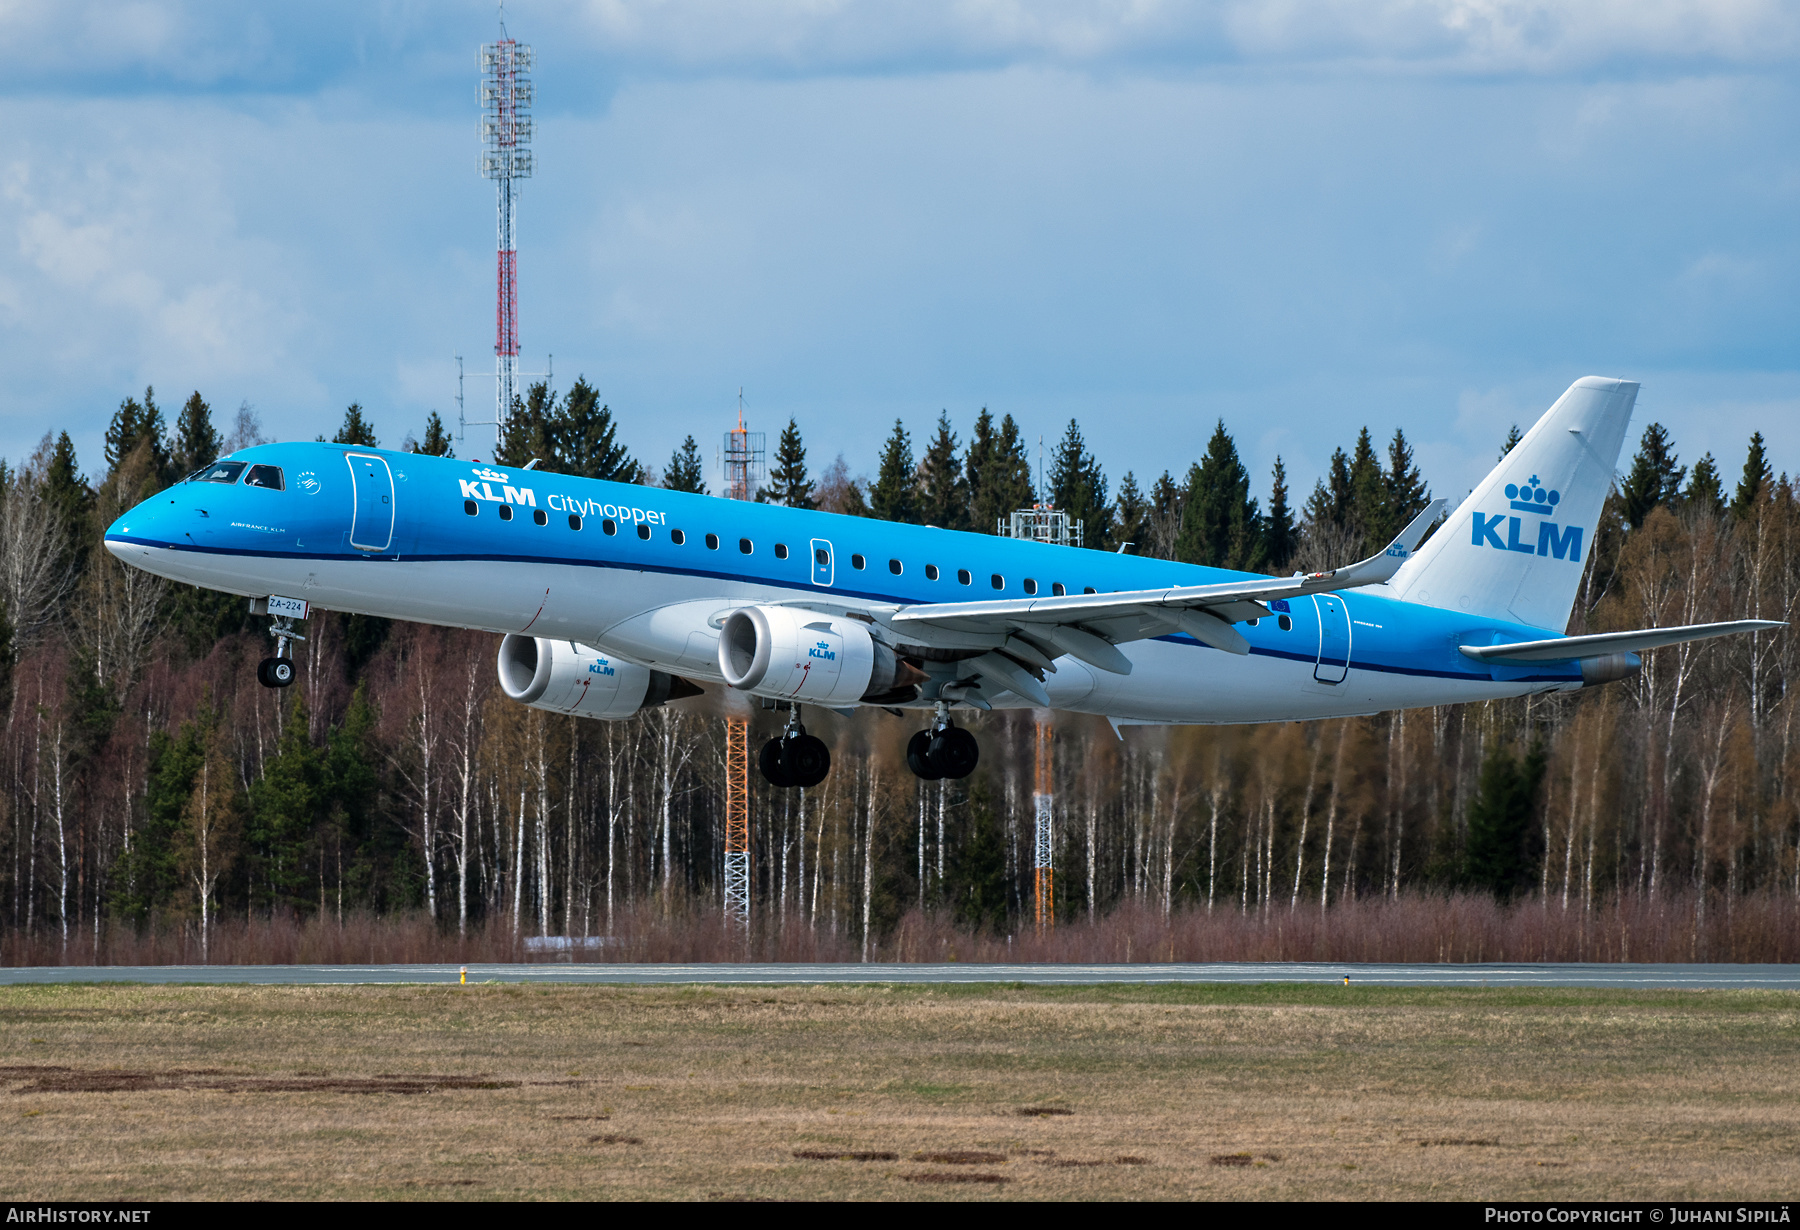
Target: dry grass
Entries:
(124, 1092)
(1418, 926)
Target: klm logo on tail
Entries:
(1562, 542)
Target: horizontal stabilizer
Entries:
(1568, 648)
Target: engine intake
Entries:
(805, 656)
(579, 680)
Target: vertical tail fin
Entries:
(1517, 546)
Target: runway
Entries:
(1639, 977)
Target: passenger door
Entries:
(372, 515)
(821, 562)
(1334, 639)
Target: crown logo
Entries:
(1533, 497)
(493, 476)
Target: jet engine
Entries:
(805, 656)
(568, 677)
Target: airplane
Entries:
(612, 598)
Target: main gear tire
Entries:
(807, 760)
(953, 752)
(918, 758)
(773, 763)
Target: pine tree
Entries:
(686, 472)
(1281, 537)
(65, 491)
(789, 485)
(1078, 487)
(1758, 481)
(1333, 501)
(1164, 524)
(356, 429)
(136, 426)
(1403, 490)
(999, 471)
(943, 493)
(583, 438)
(1368, 490)
(531, 430)
(1130, 517)
(1513, 436)
(197, 443)
(1220, 524)
(896, 495)
(1654, 477)
(1705, 493)
(437, 440)
(1501, 852)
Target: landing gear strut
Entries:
(278, 671)
(942, 750)
(795, 758)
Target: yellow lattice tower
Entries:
(737, 821)
(1043, 843)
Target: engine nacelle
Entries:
(568, 677)
(805, 656)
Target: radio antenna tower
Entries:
(506, 157)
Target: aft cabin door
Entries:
(372, 518)
(1334, 639)
(821, 562)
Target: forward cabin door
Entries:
(1334, 639)
(372, 517)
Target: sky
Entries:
(1297, 216)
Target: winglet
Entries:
(1378, 568)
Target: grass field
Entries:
(918, 1092)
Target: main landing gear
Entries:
(278, 671)
(795, 758)
(942, 750)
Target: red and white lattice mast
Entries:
(506, 157)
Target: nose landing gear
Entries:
(278, 671)
(795, 758)
(943, 750)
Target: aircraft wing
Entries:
(1088, 626)
(1567, 648)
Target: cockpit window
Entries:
(265, 476)
(223, 472)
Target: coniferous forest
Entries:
(157, 804)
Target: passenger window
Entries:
(858, 562)
(963, 577)
(574, 520)
(678, 538)
(931, 572)
(609, 526)
(540, 516)
(265, 476)
(644, 530)
(1056, 589)
(1030, 586)
(506, 512)
(781, 550)
(712, 542)
(1087, 589)
(1253, 622)
(894, 566)
(746, 546)
(1285, 624)
(223, 472)
(999, 582)
(471, 507)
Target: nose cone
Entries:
(147, 525)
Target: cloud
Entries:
(402, 49)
